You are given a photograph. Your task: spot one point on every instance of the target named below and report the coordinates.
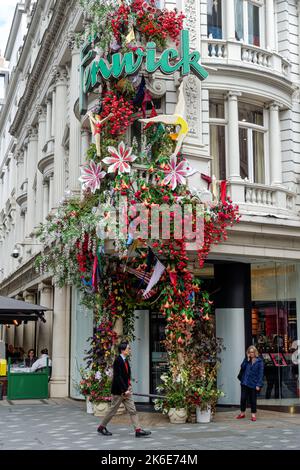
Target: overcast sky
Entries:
(7, 8)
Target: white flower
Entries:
(98, 375)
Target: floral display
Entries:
(91, 176)
(120, 159)
(112, 274)
(176, 172)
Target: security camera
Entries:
(15, 253)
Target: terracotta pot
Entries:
(177, 416)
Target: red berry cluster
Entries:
(172, 24)
(119, 22)
(122, 111)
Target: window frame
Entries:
(223, 122)
(261, 5)
(223, 25)
(264, 129)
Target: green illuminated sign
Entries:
(94, 71)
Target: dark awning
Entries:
(12, 311)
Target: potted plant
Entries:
(204, 395)
(84, 387)
(100, 394)
(174, 401)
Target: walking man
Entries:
(122, 393)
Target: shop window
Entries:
(214, 19)
(248, 22)
(275, 307)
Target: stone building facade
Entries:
(244, 125)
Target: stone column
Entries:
(230, 20)
(29, 328)
(39, 181)
(31, 170)
(49, 120)
(51, 192)
(233, 324)
(60, 345)
(45, 329)
(60, 125)
(85, 143)
(53, 115)
(275, 146)
(75, 125)
(45, 199)
(233, 137)
(270, 25)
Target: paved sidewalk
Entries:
(63, 424)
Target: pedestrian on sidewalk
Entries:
(122, 393)
(251, 377)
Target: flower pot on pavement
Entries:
(177, 416)
(89, 406)
(203, 416)
(101, 408)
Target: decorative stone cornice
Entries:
(61, 7)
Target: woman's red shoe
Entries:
(240, 416)
(253, 418)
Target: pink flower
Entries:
(119, 159)
(91, 176)
(176, 174)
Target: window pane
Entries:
(251, 113)
(253, 24)
(216, 109)
(214, 19)
(217, 150)
(243, 138)
(258, 157)
(239, 20)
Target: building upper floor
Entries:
(244, 120)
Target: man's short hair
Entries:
(122, 346)
(44, 351)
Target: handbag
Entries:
(240, 374)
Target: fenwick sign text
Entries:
(93, 71)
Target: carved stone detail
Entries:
(157, 88)
(193, 105)
(191, 20)
(59, 74)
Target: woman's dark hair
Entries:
(44, 351)
(122, 346)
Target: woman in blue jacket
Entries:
(251, 377)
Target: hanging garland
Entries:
(114, 284)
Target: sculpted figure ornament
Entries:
(96, 125)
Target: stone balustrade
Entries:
(237, 53)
